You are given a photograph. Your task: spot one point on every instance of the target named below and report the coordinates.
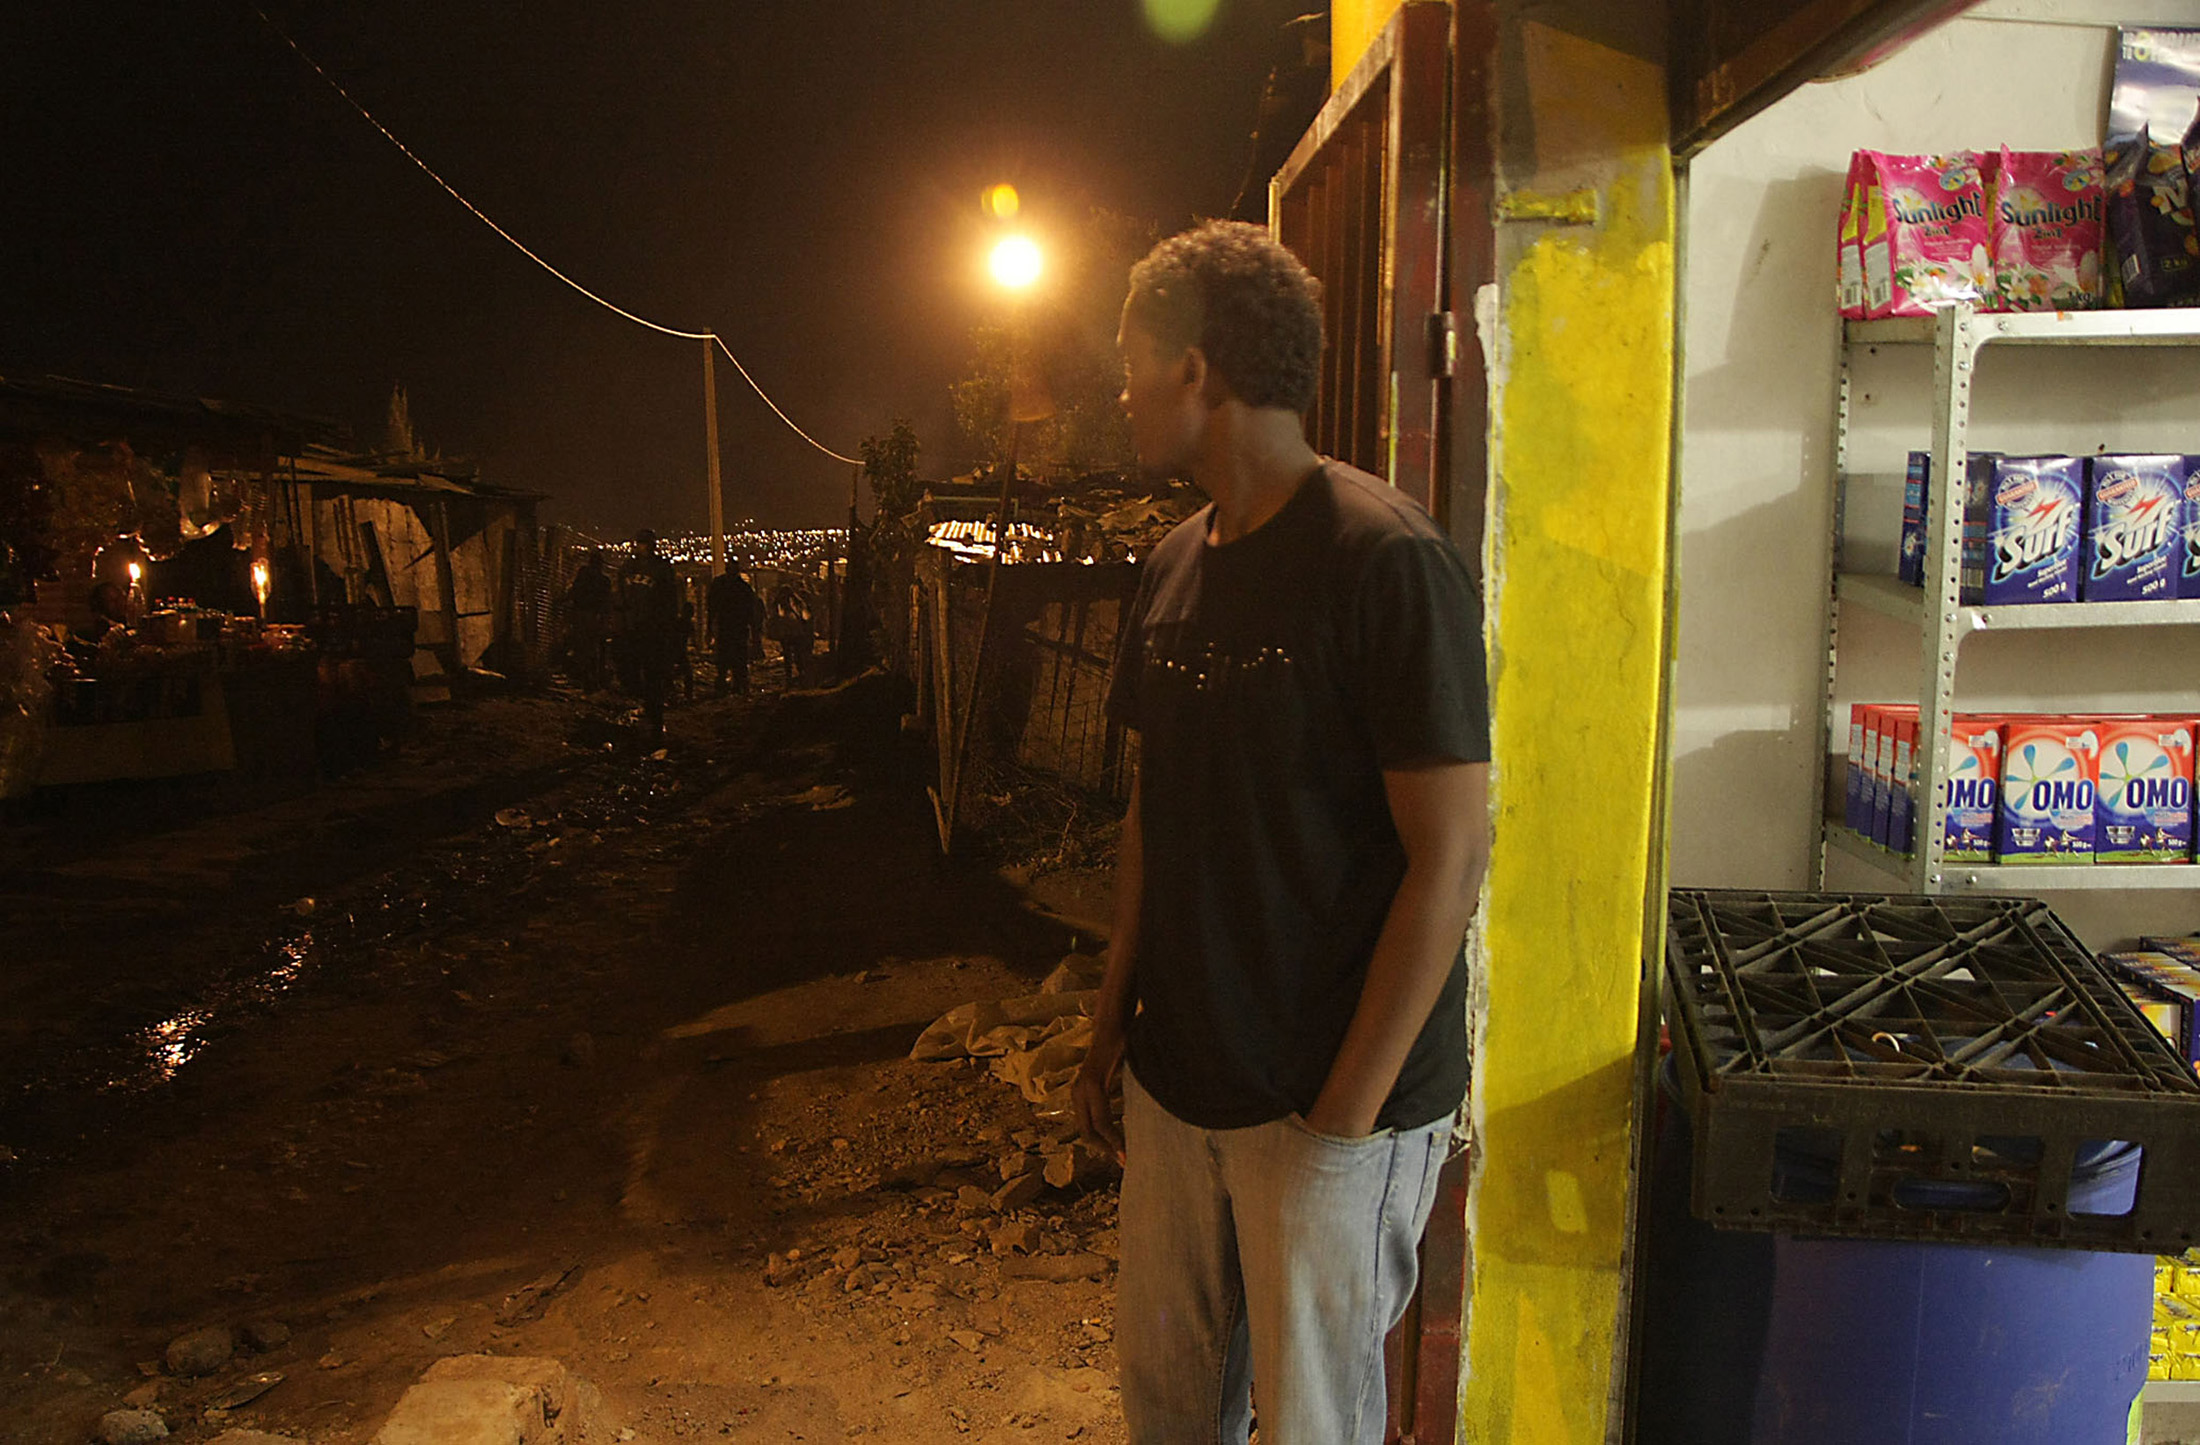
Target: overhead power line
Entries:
(522, 247)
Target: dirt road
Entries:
(533, 1045)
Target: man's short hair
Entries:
(1234, 292)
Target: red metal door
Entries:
(1386, 200)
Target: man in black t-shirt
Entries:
(1301, 857)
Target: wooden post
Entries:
(985, 636)
(710, 443)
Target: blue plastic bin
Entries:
(1752, 1338)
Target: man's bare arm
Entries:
(1111, 1013)
(1441, 811)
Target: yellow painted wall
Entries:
(1353, 26)
(1576, 560)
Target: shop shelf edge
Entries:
(2170, 326)
(2020, 879)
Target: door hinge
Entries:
(1443, 343)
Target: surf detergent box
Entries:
(2022, 524)
(2143, 795)
(1974, 789)
(2134, 515)
(2048, 779)
(1916, 494)
(2188, 577)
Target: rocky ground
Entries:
(529, 1043)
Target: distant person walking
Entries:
(649, 618)
(790, 627)
(733, 612)
(588, 620)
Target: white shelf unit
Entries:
(1956, 337)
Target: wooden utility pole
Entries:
(710, 441)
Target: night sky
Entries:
(189, 208)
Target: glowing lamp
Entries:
(1016, 262)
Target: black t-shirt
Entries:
(1271, 680)
(649, 594)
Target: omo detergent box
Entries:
(1974, 789)
(1893, 768)
(2047, 784)
(2188, 576)
(2143, 795)
(1916, 496)
(2022, 520)
(2134, 516)
(1875, 774)
(1856, 812)
(1902, 799)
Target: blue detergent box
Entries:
(2134, 515)
(2188, 578)
(2049, 773)
(2023, 521)
(1917, 487)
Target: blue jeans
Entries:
(1269, 1258)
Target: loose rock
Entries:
(1013, 1237)
(131, 1427)
(201, 1352)
(1017, 1193)
(265, 1335)
(1055, 1268)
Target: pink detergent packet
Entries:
(2045, 233)
(1848, 252)
(1933, 253)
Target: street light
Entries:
(1016, 262)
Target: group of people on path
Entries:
(636, 625)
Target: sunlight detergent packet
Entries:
(1917, 487)
(1934, 250)
(2143, 797)
(2022, 519)
(2045, 231)
(2047, 787)
(2134, 515)
(1848, 244)
(1974, 789)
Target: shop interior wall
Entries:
(1757, 458)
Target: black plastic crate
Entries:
(1942, 1067)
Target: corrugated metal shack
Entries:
(1012, 656)
(430, 535)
